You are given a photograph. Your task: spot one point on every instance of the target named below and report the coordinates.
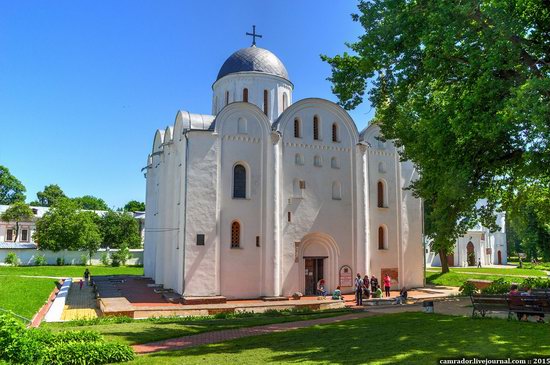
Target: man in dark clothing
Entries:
(359, 290)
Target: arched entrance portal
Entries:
(470, 254)
(318, 257)
(499, 257)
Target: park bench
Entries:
(528, 304)
(489, 303)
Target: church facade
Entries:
(266, 196)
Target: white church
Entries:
(267, 195)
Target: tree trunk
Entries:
(16, 231)
(444, 262)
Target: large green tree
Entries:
(49, 196)
(134, 206)
(119, 229)
(11, 189)
(90, 202)
(66, 227)
(17, 212)
(464, 88)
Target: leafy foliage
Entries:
(11, 259)
(49, 196)
(119, 229)
(35, 346)
(11, 189)
(120, 257)
(64, 227)
(134, 206)
(17, 212)
(468, 288)
(499, 286)
(91, 203)
(464, 87)
(40, 260)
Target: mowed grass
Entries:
(405, 338)
(69, 271)
(143, 331)
(24, 296)
(495, 270)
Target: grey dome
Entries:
(253, 59)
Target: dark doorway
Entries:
(499, 256)
(471, 254)
(314, 273)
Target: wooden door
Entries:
(471, 254)
(451, 259)
(499, 257)
(313, 273)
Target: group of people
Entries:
(365, 288)
(515, 295)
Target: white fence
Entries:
(27, 256)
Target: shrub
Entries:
(120, 257)
(38, 346)
(83, 259)
(535, 283)
(11, 259)
(105, 259)
(499, 286)
(88, 353)
(221, 315)
(468, 288)
(60, 261)
(40, 260)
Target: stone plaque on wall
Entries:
(393, 273)
(346, 277)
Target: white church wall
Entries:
(200, 267)
(314, 212)
(241, 268)
(149, 247)
(256, 84)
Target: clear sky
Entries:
(85, 84)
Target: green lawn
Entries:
(143, 331)
(69, 271)
(500, 271)
(24, 296)
(405, 338)
(457, 279)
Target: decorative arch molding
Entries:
(168, 134)
(158, 141)
(237, 109)
(327, 244)
(288, 115)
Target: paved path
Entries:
(80, 304)
(226, 335)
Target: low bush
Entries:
(78, 353)
(535, 283)
(468, 288)
(11, 259)
(105, 259)
(83, 259)
(60, 261)
(499, 286)
(19, 345)
(40, 260)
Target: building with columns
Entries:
(267, 195)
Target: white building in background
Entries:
(266, 196)
(479, 244)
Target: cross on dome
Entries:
(254, 35)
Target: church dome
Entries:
(253, 59)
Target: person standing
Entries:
(366, 291)
(479, 263)
(87, 276)
(359, 290)
(373, 284)
(387, 285)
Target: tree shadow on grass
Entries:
(408, 338)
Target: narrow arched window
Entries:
(285, 101)
(298, 159)
(239, 181)
(380, 194)
(382, 238)
(245, 95)
(334, 163)
(316, 128)
(235, 235)
(336, 190)
(297, 128)
(266, 102)
(317, 161)
(334, 132)
(226, 97)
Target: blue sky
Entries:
(85, 84)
